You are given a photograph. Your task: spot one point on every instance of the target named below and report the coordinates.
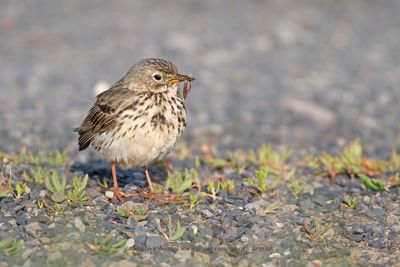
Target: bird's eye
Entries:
(157, 77)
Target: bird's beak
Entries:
(180, 78)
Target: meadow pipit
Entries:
(139, 119)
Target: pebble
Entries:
(79, 225)
(207, 213)
(33, 227)
(109, 194)
(130, 243)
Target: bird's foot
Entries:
(118, 195)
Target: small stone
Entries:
(290, 208)
(202, 257)
(131, 221)
(258, 205)
(195, 229)
(207, 213)
(286, 253)
(244, 239)
(79, 225)
(142, 223)
(109, 194)
(130, 242)
(33, 227)
(274, 255)
(164, 264)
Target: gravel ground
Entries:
(305, 75)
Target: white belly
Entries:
(137, 143)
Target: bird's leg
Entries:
(117, 193)
(146, 172)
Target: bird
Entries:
(139, 119)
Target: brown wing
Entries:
(102, 116)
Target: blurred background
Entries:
(300, 74)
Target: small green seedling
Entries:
(139, 212)
(56, 187)
(124, 210)
(11, 246)
(58, 207)
(372, 184)
(193, 201)
(296, 188)
(332, 166)
(351, 158)
(5, 187)
(238, 159)
(318, 232)
(228, 186)
(213, 187)
(175, 232)
(77, 193)
(39, 175)
(20, 188)
(58, 158)
(260, 181)
(103, 183)
(351, 202)
(179, 182)
(107, 246)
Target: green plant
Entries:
(351, 202)
(267, 157)
(193, 201)
(77, 193)
(351, 158)
(228, 186)
(58, 158)
(260, 181)
(175, 231)
(296, 188)
(372, 184)
(317, 232)
(5, 187)
(139, 212)
(238, 159)
(103, 183)
(332, 166)
(394, 162)
(213, 187)
(39, 175)
(179, 182)
(107, 246)
(311, 162)
(20, 188)
(58, 207)
(11, 246)
(56, 187)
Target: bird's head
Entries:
(156, 75)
